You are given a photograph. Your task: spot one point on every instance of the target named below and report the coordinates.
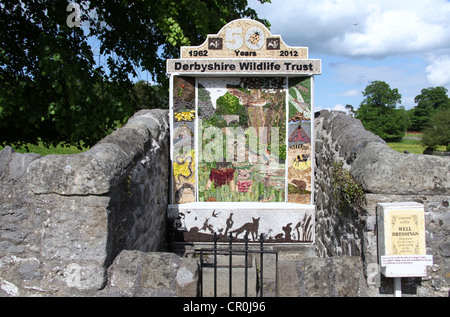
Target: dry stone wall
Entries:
(94, 224)
(65, 218)
(386, 176)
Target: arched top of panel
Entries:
(244, 38)
(244, 47)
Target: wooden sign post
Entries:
(401, 241)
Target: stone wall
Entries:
(94, 224)
(386, 176)
(65, 218)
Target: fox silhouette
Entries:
(249, 227)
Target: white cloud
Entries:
(392, 31)
(405, 43)
(337, 107)
(438, 73)
(351, 93)
(361, 28)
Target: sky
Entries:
(405, 43)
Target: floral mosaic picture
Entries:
(299, 141)
(242, 139)
(183, 180)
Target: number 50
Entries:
(254, 38)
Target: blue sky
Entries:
(405, 43)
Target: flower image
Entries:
(243, 186)
(186, 116)
(221, 177)
(179, 116)
(189, 115)
(180, 90)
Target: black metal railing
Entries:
(230, 252)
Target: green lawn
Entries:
(412, 146)
(42, 150)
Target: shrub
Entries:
(438, 131)
(345, 189)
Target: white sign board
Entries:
(387, 260)
(401, 240)
(405, 265)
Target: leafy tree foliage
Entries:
(229, 105)
(148, 32)
(429, 102)
(149, 96)
(350, 110)
(378, 111)
(438, 131)
(49, 84)
(52, 89)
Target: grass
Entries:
(224, 193)
(411, 145)
(42, 150)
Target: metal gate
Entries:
(230, 253)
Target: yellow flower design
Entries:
(179, 116)
(186, 116)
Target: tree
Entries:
(430, 101)
(149, 96)
(378, 111)
(350, 110)
(51, 87)
(438, 131)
